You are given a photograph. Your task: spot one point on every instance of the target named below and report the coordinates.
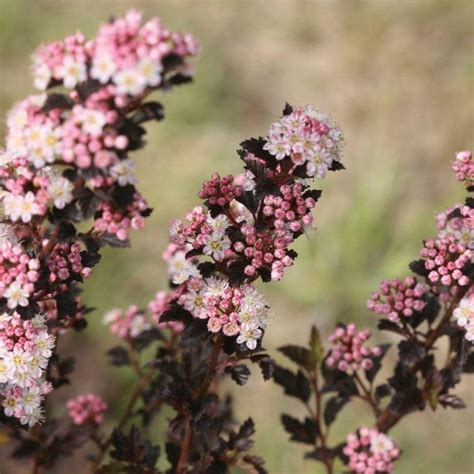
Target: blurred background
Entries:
(396, 76)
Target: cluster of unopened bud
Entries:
(348, 352)
(219, 191)
(398, 298)
(445, 260)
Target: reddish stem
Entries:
(388, 418)
(200, 394)
(323, 434)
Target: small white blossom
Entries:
(44, 344)
(218, 224)
(9, 404)
(103, 68)
(248, 181)
(194, 301)
(151, 71)
(216, 246)
(124, 172)
(215, 286)
(129, 81)
(249, 334)
(181, 269)
(381, 443)
(20, 207)
(31, 399)
(60, 192)
(4, 377)
(138, 325)
(72, 72)
(465, 311)
(112, 316)
(464, 316)
(318, 165)
(16, 295)
(93, 121)
(42, 75)
(279, 147)
(52, 142)
(35, 136)
(17, 118)
(18, 361)
(31, 419)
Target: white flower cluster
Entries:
(40, 141)
(210, 234)
(132, 81)
(20, 207)
(216, 241)
(309, 138)
(25, 349)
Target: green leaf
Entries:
(317, 348)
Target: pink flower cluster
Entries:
(128, 324)
(463, 166)
(67, 160)
(158, 305)
(262, 249)
(118, 222)
(61, 61)
(309, 138)
(197, 231)
(31, 133)
(25, 194)
(18, 274)
(250, 224)
(126, 58)
(89, 137)
(25, 349)
(220, 191)
(446, 259)
(370, 452)
(285, 212)
(348, 352)
(87, 129)
(29, 193)
(65, 262)
(265, 250)
(398, 298)
(85, 135)
(460, 227)
(290, 210)
(236, 311)
(87, 409)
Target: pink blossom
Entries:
(88, 408)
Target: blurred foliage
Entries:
(396, 76)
